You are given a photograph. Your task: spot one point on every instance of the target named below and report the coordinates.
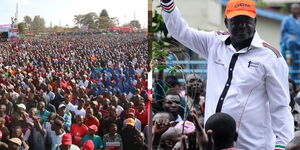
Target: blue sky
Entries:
(63, 11)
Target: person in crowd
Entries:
(112, 140)
(290, 34)
(91, 135)
(55, 136)
(127, 133)
(78, 130)
(66, 143)
(229, 83)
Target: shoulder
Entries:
(271, 50)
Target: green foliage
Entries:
(93, 21)
(21, 27)
(134, 23)
(262, 4)
(159, 25)
(104, 13)
(27, 20)
(38, 23)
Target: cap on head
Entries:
(240, 8)
(93, 127)
(67, 139)
(88, 145)
(130, 121)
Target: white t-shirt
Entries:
(73, 147)
(55, 139)
(79, 112)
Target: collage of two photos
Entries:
(149, 74)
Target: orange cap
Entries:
(240, 7)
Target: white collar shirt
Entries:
(257, 94)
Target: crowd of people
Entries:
(74, 91)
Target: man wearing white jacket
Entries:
(247, 78)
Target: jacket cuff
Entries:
(168, 7)
(280, 147)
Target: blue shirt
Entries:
(96, 140)
(290, 26)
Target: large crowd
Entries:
(74, 91)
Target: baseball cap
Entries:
(22, 106)
(61, 105)
(93, 127)
(88, 145)
(16, 141)
(130, 121)
(240, 7)
(66, 139)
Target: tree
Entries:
(104, 21)
(27, 20)
(88, 19)
(134, 23)
(104, 13)
(21, 27)
(38, 23)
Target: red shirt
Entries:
(91, 121)
(78, 132)
(143, 117)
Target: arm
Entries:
(277, 87)
(197, 41)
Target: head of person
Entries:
(223, 129)
(88, 145)
(89, 113)
(113, 128)
(66, 142)
(81, 103)
(240, 20)
(79, 119)
(139, 139)
(14, 144)
(171, 104)
(169, 138)
(41, 106)
(193, 84)
(295, 9)
(61, 109)
(130, 123)
(172, 82)
(106, 103)
(114, 101)
(294, 144)
(2, 108)
(17, 132)
(57, 125)
(93, 129)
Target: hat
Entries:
(16, 141)
(22, 106)
(240, 7)
(130, 121)
(88, 145)
(61, 105)
(66, 139)
(93, 127)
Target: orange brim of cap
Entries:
(240, 13)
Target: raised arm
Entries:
(195, 40)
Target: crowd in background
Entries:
(71, 91)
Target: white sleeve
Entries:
(277, 87)
(198, 41)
